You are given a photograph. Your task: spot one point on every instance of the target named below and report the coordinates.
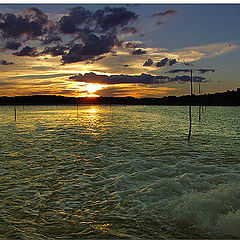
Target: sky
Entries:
(139, 50)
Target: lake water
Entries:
(119, 172)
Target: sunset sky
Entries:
(134, 50)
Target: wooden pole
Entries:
(190, 111)
(199, 110)
(15, 112)
(191, 90)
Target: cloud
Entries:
(111, 18)
(166, 13)
(195, 53)
(187, 64)
(185, 78)
(80, 35)
(97, 31)
(162, 63)
(31, 24)
(166, 61)
(4, 62)
(179, 70)
(82, 21)
(202, 71)
(51, 38)
(97, 59)
(133, 79)
(76, 21)
(172, 61)
(148, 62)
(160, 16)
(12, 45)
(119, 79)
(138, 52)
(54, 51)
(27, 51)
(94, 46)
(134, 44)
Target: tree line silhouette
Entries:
(229, 98)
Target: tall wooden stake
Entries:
(190, 111)
(15, 112)
(199, 110)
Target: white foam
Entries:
(217, 210)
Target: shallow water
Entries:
(119, 172)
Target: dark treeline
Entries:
(229, 98)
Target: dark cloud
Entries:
(202, 71)
(166, 61)
(94, 46)
(162, 63)
(166, 13)
(31, 24)
(4, 62)
(185, 78)
(148, 62)
(34, 14)
(76, 21)
(27, 51)
(13, 45)
(88, 25)
(138, 52)
(119, 79)
(142, 79)
(160, 16)
(134, 45)
(111, 18)
(54, 51)
(187, 64)
(54, 38)
(172, 61)
(82, 21)
(179, 70)
(81, 35)
(97, 59)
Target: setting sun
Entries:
(89, 89)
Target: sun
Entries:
(90, 89)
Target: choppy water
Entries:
(119, 172)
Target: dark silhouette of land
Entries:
(229, 98)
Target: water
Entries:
(119, 172)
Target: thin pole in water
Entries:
(190, 112)
(199, 110)
(15, 109)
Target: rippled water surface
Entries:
(119, 172)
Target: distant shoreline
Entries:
(229, 98)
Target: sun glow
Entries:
(82, 89)
(89, 89)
